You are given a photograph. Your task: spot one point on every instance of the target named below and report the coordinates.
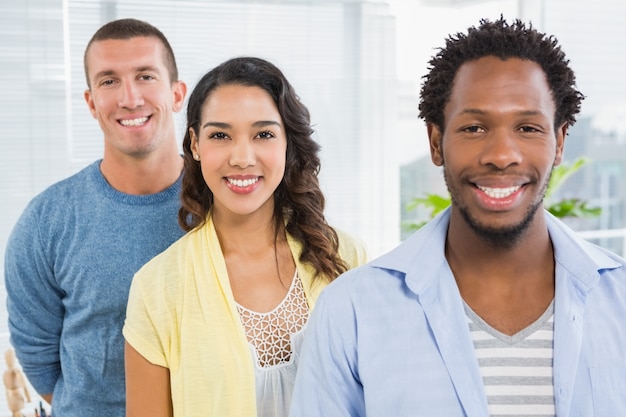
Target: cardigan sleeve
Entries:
(151, 314)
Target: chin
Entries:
(504, 236)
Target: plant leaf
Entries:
(562, 173)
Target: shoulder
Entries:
(69, 184)
(417, 261)
(351, 249)
(179, 271)
(157, 284)
(169, 263)
(360, 284)
(74, 187)
(52, 208)
(572, 249)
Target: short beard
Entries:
(504, 237)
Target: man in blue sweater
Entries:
(73, 252)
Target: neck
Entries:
(259, 261)
(472, 253)
(142, 175)
(509, 287)
(246, 233)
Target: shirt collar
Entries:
(421, 257)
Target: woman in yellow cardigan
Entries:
(215, 323)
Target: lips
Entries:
(499, 193)
(134, 122)
(243, 182)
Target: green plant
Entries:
(435, 203)
(567, 207)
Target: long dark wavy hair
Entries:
(503, 40)
(298, 200)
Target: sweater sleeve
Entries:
(34, 302)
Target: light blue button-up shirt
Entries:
(390, 339)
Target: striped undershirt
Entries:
(516, 370)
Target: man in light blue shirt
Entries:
(495, 307)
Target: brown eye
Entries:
(265, 135)
(218, 136)
(473, 129)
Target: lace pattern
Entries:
(270, 333)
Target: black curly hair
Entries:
(503, 40)
(298, 200)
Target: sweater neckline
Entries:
(103, 185)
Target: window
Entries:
(357, 65)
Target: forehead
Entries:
(491, 83)
(116, 55)
(234, 100)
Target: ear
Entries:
(179, 89)
(90, 105)
(561, 134)
(194, 141)
(434, 139)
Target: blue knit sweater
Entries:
(69, 263)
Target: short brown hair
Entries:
(133, 28)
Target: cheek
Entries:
(95, 106)
(276, 158)
(206, 175)
(163, 101)
(281, 162)
(104, 100)
(210, 163)
(550, 161)
(450, 160)
(209, 154)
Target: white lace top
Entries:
(275, 340)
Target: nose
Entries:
(242, 154)
(501, 149)
(130, 96)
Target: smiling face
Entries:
(499, 146)
(241, 145)
(131, 95)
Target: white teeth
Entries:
(499, 192)
(134, 122)
(243, 183)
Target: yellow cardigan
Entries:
(182, 315)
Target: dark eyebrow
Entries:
(263, 123)
(150, 68)
(216, 124)
(103, 74)
(482, 112)
(473, 111)
(108, 73)
(260, 123)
